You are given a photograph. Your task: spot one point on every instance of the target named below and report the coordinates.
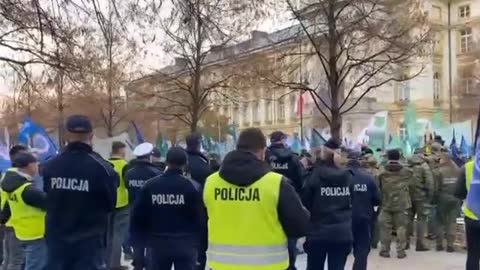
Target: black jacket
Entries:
(327, 194)
(137, 174)
(243, 169)
(365, 192)
(81, 192)
(31, 195)
(169, 207)
(285, 162)
(198, 167)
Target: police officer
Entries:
(365, 198)
(327, 195)
(252, 211)
(170, 213)
(25, 209)
(139, 171)
(81, 192)
(285, 162)
(14, 255)
(447, 204)
(119, 220)
(394, 186)
(472, 221)
(157, 159)
(421, 193)
(198, 169)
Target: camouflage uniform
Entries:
(394, 186)
(421, 192)
(447, 205)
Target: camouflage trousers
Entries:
(446, 220)
(421, 210)
(393, 221)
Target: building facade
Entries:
(447, 83)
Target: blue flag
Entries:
(464, 147)
(35, 136)
(473, 197)
(296, 144)
(5, 162)
(138, 133)
(455, 153)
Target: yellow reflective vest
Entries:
(469, 167)
(3, 199)
(244, 232)
(27, 221)
(122, 191)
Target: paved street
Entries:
(415, 261)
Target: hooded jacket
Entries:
(136, 176)
(365, 192)
(198, 167)
(31, 195)
(285, 162)
(394, 180)
(327, 194)
(243, 169)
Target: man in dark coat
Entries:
(198, 169)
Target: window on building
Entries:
(245, 114)
(436, 13)
(256, 112)
(349, 127)
(468, 86)
(236, 115)
(403, 91)
(464, 11)
(402, 131)
(293, 104)
(466, 40)
(225, 111)
(436, 86)
(268, 110)
(281, 109)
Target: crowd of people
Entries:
(247, 212)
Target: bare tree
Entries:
(350, 48)
(198, 32)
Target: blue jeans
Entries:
(14, 255)
(35, 254)
(116, 236)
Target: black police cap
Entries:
(79, 124)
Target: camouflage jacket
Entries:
(394, 181)
(422, 183)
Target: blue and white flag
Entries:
(35, 136)
(5, 162)
(465, 147)
(473, 197)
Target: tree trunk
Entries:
(61, 111)
(336, 126)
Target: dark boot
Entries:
(401, 254)
(450, 249)
(384, 254)
(421, 247)
(439, 247)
